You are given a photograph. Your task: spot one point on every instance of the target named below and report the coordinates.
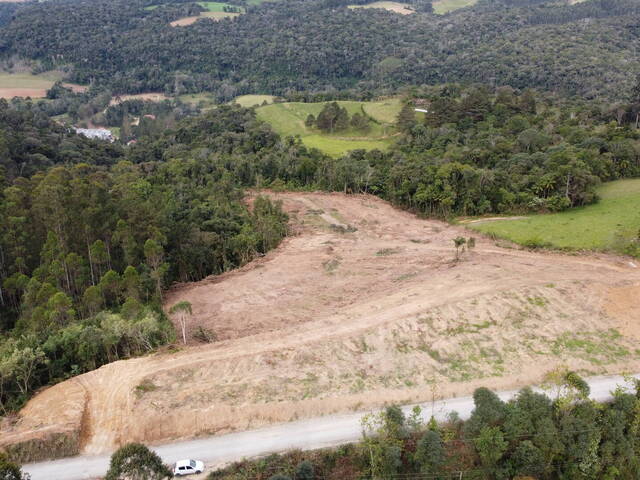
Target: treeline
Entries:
(86, 249)
(294, 45)
(476, 152)
(334, 118)
(563, 435)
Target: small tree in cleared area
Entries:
(135, 461)
(182, 310)
(459, 243)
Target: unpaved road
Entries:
(320, 432)
(364, 306)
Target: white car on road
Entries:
(187, 467)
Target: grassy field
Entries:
(444, 6)
(592, 227)
(217, 6)
(396, 7)
(249, 101)
(288, 119)
(29, 85)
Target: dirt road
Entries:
(321, 432)
(364, 306)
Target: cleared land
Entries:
(29, 85)
(289, 119)
(445, 6)
(248, 101)
(150, 97)
(363, 306)
(592, 227)
(395, 7)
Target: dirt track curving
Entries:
(363, 306)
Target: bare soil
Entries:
(365, 305)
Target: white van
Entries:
(187, 467)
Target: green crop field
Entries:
(288, 120)
(444, 6)
(593, 227)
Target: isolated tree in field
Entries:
(459, 243)
(135, 461)
(310, 121)
(10, 470)
(406, 118)
(332, 118)
(471, 243)
(182, 310)
(360, 122)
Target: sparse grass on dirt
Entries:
(288, 119)
(596, 227)
(445, 6)
(148, 97)
(395, 7)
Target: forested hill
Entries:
(590, 49)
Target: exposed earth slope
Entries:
(364, 305)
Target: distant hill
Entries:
(589, 49)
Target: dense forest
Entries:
(89, 241)
(560, 435)
(590, 48)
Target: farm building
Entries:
(96, 133)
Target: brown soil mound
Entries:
(365, 305)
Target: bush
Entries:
(135, 461)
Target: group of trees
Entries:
(559, 435)
(334, 118)
(86, 249)
(295, 45)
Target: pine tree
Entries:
(406, 118)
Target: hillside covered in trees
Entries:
(590, 48)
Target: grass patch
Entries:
(385, 252)
(594, 227)
(445, 6)
(145, 386)
(402, 8)
(288, 119)
(205, 101)
(218, 6)
(249, 101)
(28, 85)
(598, 348)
